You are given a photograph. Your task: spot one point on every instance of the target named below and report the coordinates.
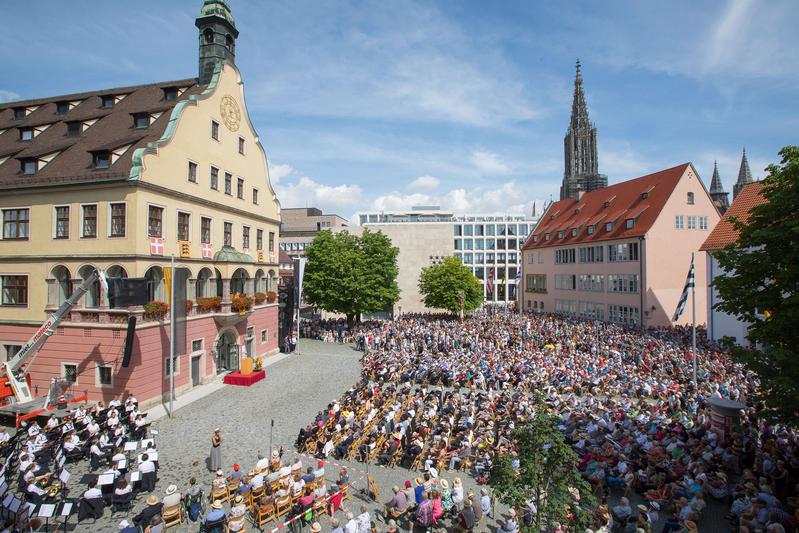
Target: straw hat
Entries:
(691, 526)
(512, 513)
(220, 473)
(152, 499)
(217, 504)
(171, 490)
(316, 527)
(419, 481)
(238, 498)
(275, 454)
(641, 508)
(433, 472)
(457, 482)
(444, 484)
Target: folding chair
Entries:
(172, 515)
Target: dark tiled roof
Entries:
(114, 128)
(725, 233)
(617, 203)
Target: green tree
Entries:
(442, 284)
(351, 275)
(761, 283)
(547, 476)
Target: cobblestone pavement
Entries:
(295, 390)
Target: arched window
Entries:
(92, 298)
(209, 35)
(219, 284)
(259, 281)
(155, 283)
(202, 289)
(238, 281)
(272, 281)
(61, 287)
(116, 271)
(229, 42)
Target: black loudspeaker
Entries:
(129, 341)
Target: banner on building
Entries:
(127, 292)
(208, 250)
(156, 246)
(299, 272)
(260, 256)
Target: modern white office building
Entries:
(488, 244)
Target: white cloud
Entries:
(306, 192)
(508, 197)
(277, 172)
(8, 96)
(488, 163)
(425, 183)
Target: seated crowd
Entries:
(448, 394)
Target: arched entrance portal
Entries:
(227, 352)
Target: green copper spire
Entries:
(218, 35)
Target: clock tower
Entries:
(218, 36)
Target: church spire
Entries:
(717, 193)
(218, 36)
(744, 176)
(581, 172)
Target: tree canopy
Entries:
(546, 477)
(760, 286)
(351, 275)
(442, 284)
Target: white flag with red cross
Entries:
(156, 246)
(207, 250)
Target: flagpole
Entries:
(693, 320)
(172, 337)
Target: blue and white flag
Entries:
(689, 284)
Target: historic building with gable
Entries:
(121, 179)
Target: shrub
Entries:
(259, 298)
(156, 309)
(206, 305)
(240, 302)
(189, 305)
(271, 296)
(259, 363)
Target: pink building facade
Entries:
(622, 253)
(214, 344)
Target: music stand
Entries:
(65, 511)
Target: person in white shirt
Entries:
(146, 466)
(71, 441)
(122, 487)
(263, 462)
(172, 497)
(257, 480)
(351, 526)
(364, 521)
(34, 429)
(115, 403)
(4, 436)
(52, 422)
(92, 492)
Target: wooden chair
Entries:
(263, 514)
(220, 494)
(232, 487)
(319, 506)
(283, 506)
(345, 491)
(238, 524)
(172, 516)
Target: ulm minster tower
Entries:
(581, 172)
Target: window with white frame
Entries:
(623, 283)
(197, 345)
(215, 130)
(88, 221)
(702, 222)
(8, 350)
(61, 222)
(155, 221)
(566, 281)
(566, 307)
(264, 336)
(623, 252)
(192, 170)
(679, 222)
(592, 282)
(118, 215)
(592, 310)
(14, 290)
(104, 376)
(16, 224)
(540, 257)
(691, 222)
(565, 256)
(591, 254)
(168, 366)
(623, 314)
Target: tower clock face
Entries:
(231, 114)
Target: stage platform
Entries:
(236, 378)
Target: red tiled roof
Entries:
(626, 201)
(724, 233)
(284, 258)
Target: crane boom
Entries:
(28, 353)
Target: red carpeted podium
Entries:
(237, 378)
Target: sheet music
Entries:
(7, 500)
(30, 508)
(66, 509)
(106, 479)
(46, 510)
(131, 446)
(135, 476)
(61, 462)
(119, 441)
(146, 442)
(14, 505)
(153, 456)
(122, 463)
(64, 476)
(3, 488)
(154, 432)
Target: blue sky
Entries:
(364, 105)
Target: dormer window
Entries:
(560, 235)
(25, 134)
(606, 204)
(535, 238)
(141, 120)
(170, 94)
(590, 229)
(74, 128)
(19, 113)
(609, 226)
(546, 237)
(629, 223)
(61, 107)
(102, 159)
(107, 101)
(29, 166)
(644, 195)
(574, 232)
